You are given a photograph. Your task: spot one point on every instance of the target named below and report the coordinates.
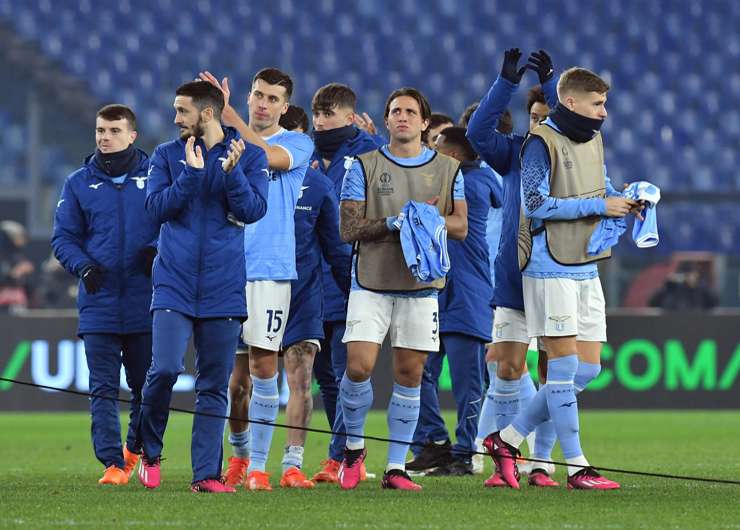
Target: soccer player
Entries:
(384, 294)
(317, 235)
(195, 183)
(511, 387)
(336, 138)
(565, 191)
(437, 122)
(269, 246)
(104, 236)
(465, 315)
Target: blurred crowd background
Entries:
(674, 67)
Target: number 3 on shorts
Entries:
(435, 322)
(275, 317)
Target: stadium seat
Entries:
(671, 120)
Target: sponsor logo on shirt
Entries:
(95, 186)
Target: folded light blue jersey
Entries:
(269, 244)
(645, 233)
(424, 241)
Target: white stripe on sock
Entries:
(410, 398)
(274, 396)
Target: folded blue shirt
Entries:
(424, 241)
(644, 233)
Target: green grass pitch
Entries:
(49, 480)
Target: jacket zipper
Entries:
(121, 255)
(202, 236)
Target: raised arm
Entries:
(278, 158)
(541, 63)
(491, 145)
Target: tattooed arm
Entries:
(354, 227)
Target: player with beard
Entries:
(194, 183)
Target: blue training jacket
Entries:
(335, 303)
(317, 242)
(200, 270)
(98, 222)
(501, 152)
(465, 302)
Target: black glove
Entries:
(509, 68)
(148, 255)
(92, 277)
(541, 63)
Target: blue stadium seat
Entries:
(671, 114)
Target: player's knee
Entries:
(358, 373)
(505, 369)
(299, 382)
(409, 375)
(166, 373)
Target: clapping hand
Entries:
(235, 153)
(193, 154)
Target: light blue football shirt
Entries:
(269, 244)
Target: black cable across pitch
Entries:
(374, 438)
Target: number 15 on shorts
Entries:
(274, 320)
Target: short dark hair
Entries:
(578, 79)
(426, 110)
(117, 111)
(467, 113)
(456, 136)
(332, 96)
(535, 95)
(273, 76)
(435, 120)
(505, 123)
(204, 95)
(294, 118)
